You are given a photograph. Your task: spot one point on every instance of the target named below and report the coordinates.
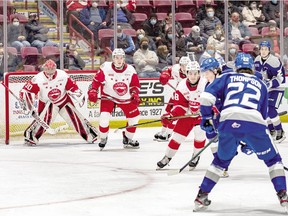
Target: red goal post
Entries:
(16, 121)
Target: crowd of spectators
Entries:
(206, 36)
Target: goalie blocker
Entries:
(54, 88)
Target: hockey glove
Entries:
(135, 99)
(164, 78)
(165, 119)
(246, 149)
(207, 124)
(268, 84)
(93, 95)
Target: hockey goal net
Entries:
(16, 121)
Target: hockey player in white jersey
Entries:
(119, 85)
(273, 74)
(54, 88)
(177, 72)
(186, 101)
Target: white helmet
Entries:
(118, 51)
(184, 60)
(193, 66)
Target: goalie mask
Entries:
(49, 68)
(118, 56)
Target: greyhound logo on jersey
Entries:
(120, 88)
(194, 106)
(54, 94)
(236, 125)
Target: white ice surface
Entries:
(72, 178)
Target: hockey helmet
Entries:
(49, 64)
(118, 52)
(184, 60)
(244, 60)
(265, 43)
(209, 64)
(193, 66)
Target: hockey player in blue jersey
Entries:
(244, 106)
(273, 74)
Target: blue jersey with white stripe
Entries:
(244, 100)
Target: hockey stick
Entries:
(175, 172)
(157, 120)
(282, 113)
(38, 119)
(169, 84)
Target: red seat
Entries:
(286, 32)
(187, 31)
(29, 68)
(1, 18)
(104, 36)
(248, 48)
(139, 19)
(131, 32)
(12, 50)
(50, 51)
(185, 19)
(186, 6)
(162, 5)
(254, 31)
(22, 18)
(161, 16)
(201, 2)
(265, 31)
(144, 6)
(29, 51)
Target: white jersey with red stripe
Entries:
(117, 84)
(53, 90)
(187, 96)
(177, 73)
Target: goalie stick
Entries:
(177, 171)
(157, 120)
(37, 117)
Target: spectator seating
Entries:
(131, 32)
(254, 31)
(1, 18)
(29, 68)
(139, 19)
(162, 5)
(185, 6)
(185, 19)
(104, 36)
(187, 31)
(50, 51)
(201, 2)
(29, 51)
(248, 48)
(144, 6)
(161, 16)
(22, 18)
(12, 50)
(286, 32)
(265, 31)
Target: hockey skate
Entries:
(283, 198)
(156, 136)
(192, 165)
(201, 202)
(224, 174)
(273, 134)
(280, 136)
(102, 143)
(129, 143)
(163, 137)
(93, 131)
(29, 142)
(162, 163)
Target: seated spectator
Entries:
(94, 18)
(124, 17)
(218, 39)
(195, 43)
(167, 23)
(208, 24)
(140, 34)
(124, 42)
(164, 57)
(233, 50)
(233, 6)
(37, 33)
(253, 16)
(201, 11)
(145, 60)
(271, 11)
(129, 4)
(74, 7)
(13, 62)
(212, 52)
(152, 29)
(17, 34)
(180, 44)
(72, 59)
(238, 33)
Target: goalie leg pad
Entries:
(76, 120)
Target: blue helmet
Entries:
(265, 43)
(209, 64)
(244, 60)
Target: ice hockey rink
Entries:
(72, 178)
